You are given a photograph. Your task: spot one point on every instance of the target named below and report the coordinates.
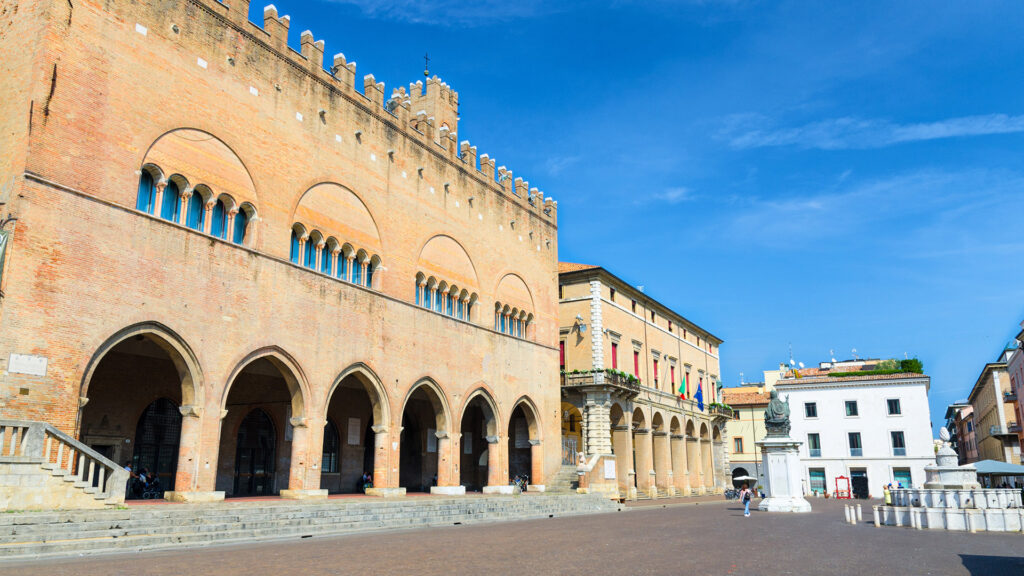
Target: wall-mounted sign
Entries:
(27, 364)
(609, 469)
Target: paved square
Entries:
(705, 538)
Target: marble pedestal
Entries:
(782, 474)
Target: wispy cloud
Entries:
(450, 12)
(674, 195)
(555, 165)
(753, 131)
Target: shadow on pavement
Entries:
(992, 565)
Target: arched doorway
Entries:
(132, 390)
(739, 473)
(264, 420)
(355, 408)
(524, 457)
(156, 441)
(572, 434)
(477, 431)
(255, 461)
(622, 447)
(643, 458)
(423, 440)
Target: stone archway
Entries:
(270, 381)
(357, 408)
(525, 454)
(479, 453)
(142, 386)
(706, 465)
(662, 455)
(424, 446)
(622, 447)
(677, 446)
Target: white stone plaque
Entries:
(609, 469)
(27, 364)
(431, 440)
(353, 431)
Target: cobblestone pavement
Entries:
(680, 538)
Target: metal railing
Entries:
(570, 453)
(719, 410)
(27, 441)
(574, 379)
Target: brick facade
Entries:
(203, 100)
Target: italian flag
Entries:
(684, 385)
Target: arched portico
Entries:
(707, 476)
(622, 447)
(643, 457)
(357, 414)
(268, 381)
(525, 453)
(693, 458)
(662, 455)
(139, 403)
(479, 447)
(424, 457)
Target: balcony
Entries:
(617, 381)
(1009, 396)
(1012, 428)
(721, 410)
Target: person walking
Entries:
(745, 498)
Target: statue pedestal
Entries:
(780, 457)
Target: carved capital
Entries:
(491, 439)
(82, 401)
(191, 411)
(441, 434)
(223, 414)
(379, 429)
(298, 422)
(534, 442)
(234, 211)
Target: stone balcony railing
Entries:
(610, 379)
(722, 411)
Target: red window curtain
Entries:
(561, 353)
(636, 364)
(615, 356)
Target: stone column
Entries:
(597, 424)
(187, 477)
(693, 465)
(706, 466)
(302, 482)
(319, 255)
(497, 469)
(303, 246)
(158, 196)
(381, 448)
(644, 459)
(536, 465)
(447, 466)
(623, 442)
(662, 463)
(721, 460)
(183, 205)
(208, 216)
(335, 254)
(229, 227)
(681, 480)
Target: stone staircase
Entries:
(565, 481)
(43, 468)
(35, 535)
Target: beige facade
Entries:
(747, 428)
(631, 368)
(995, 413)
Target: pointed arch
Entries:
(485, 395)
(379, 402)
(532, 414)
(291, 372)
(438, 400)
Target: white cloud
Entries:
(674, 195)
(557, 164)
(752, 131)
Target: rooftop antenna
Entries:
(832, 353)
(426, 65)
(741, 378)
(855, 354)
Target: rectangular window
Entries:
(893, 404)
(672, 376)
(817, 480)
(901, 477)
(561, 292)
(612, 292)
(970, 426)
(655, 372)
(669, 325)
(686, 379)
(811, 409)
(561, 354)
(636, 364)
(851, 408)
(615, 356)
(737, 445)
(419, 296)
(634, 306)
(814, 445)
(652, 315)
(855, 447)
(899, 448)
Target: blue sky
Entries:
(829, 175)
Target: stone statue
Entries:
(776, 416)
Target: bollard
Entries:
(846, 510)
(860, 514)
(878, 522)
(917, 519)
(970, 521)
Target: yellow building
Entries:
(631, 369)
(994, 405)
(748, 403)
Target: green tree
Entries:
(890, 364)
(912, 365)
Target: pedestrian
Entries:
(888, 495)
(745, 498)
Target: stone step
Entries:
(89, 532)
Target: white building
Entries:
(873, 429)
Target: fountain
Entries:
(952, 499)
